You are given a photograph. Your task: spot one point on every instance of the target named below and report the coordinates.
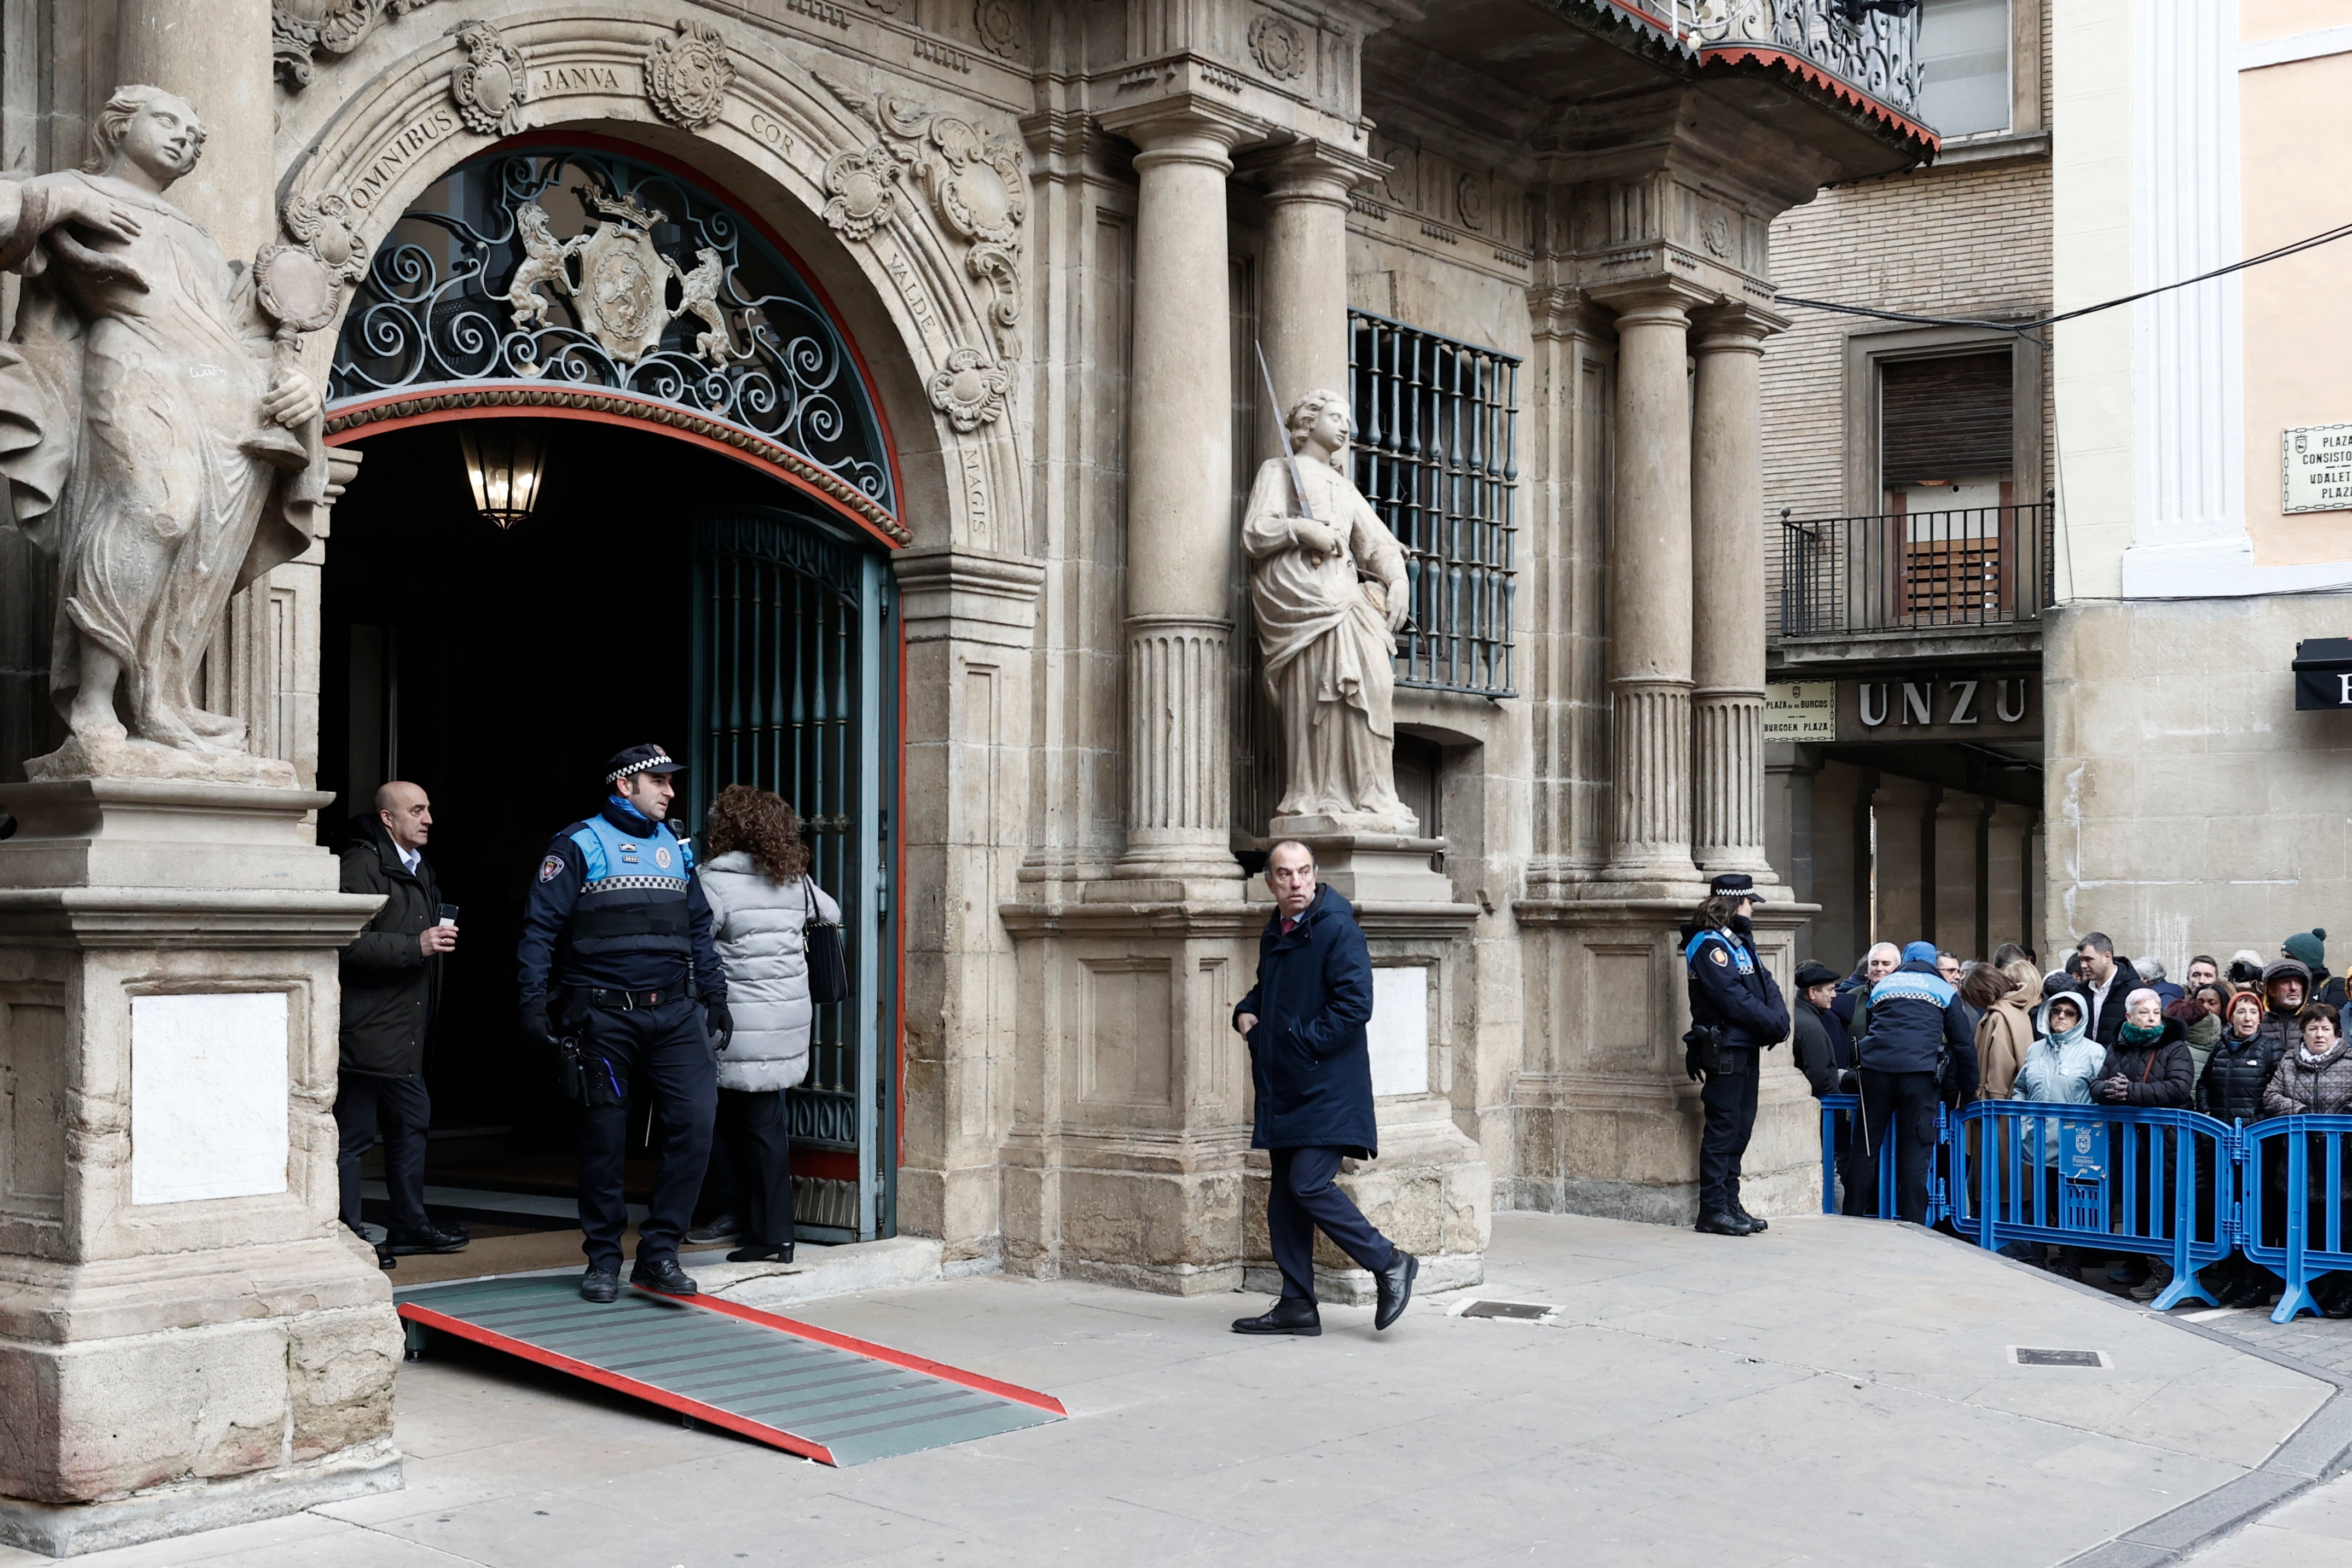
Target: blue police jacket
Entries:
(615, 905)
(1914, 1014)
(1732, 989)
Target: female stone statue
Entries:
(1328, 592)
(138, 415)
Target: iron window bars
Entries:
(562, 267)
(1437, 456)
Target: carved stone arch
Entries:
(922, 313)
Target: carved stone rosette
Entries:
(861, 190)
(490, 88)
(999, 26)
(970, 391)
(1275, 44)
(687, 77)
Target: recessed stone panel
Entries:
(1126, 1014)
(208, 1091)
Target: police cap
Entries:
(640, 759)
(1734, 885)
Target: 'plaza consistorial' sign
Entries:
(2319, 462)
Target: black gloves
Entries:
(1702, 1052)
(721, 1023)
(535, 1027)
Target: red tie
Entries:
(1288, 925)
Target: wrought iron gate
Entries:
(794, 691)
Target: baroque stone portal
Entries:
(149, 440)
(1328, 585)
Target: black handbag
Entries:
(828, 972)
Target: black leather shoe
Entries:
(758, 1254)
(1754, 1224)
(432, 1239)
(601, 1285)
(1289, 1315)
(1721, 1222)
(666, 1276)
(721, 1228)
(1396, 1288)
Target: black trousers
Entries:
(1901, 1105)
(1304, 1198)
(393, 1110)
(755, 1148)
(666, 1049)
(1730, 1101)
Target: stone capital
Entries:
(1308, 170)
(1735, 327)
(1181, 127)
(1653, 301)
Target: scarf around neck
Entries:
(2142, 1036)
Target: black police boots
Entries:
(665, 1276)
(1753, 1223)
(601, 1285)
(432, 1239)
(1289, 1315)
(1721, 1222)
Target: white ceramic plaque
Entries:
(1800, 710)
(1399, 1031)
(2317, 461)
(207, 1096)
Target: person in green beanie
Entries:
(2309, 948)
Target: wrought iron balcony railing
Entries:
(1983, 566)
(1857, 41)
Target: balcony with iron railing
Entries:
(1872, 44)
(1972, 573)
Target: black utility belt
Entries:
(618, 1001)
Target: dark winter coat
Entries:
(1309, 1059)
(1915, 1014)
(2295, 1090)
(390, 987)
(1823, 1052)
(2235, 1076)
(2108, 1027)
(1732, 989)
(2161, 1074)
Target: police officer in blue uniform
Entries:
(617, 962)
(1737, 1015)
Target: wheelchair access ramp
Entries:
(789, 1384)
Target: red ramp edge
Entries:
(757, 1431)
(863, 1347)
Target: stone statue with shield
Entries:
(157, 439)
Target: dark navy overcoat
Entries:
(1308, 1056)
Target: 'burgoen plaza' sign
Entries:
(2317, 460)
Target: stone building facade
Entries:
(931, 521)
(2195, 661)
(1926, 824)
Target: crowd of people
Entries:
(1911, 1027)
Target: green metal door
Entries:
(796, 691)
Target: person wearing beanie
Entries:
(1919, 1035)
(2309, 948)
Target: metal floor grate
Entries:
(795, 1386)
(1529, 1311)
(2024, 1356)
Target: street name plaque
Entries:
(2316, 460)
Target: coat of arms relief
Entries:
(618, 281)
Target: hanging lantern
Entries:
(505, 459)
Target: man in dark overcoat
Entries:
(1312, 1069)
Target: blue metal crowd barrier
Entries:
(2176, 1184)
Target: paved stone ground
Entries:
(1838, 1392)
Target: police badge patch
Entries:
(549, 868)
(661, 858)
(1714, 951)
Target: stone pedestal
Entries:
(188, 1338)
(1368, 866)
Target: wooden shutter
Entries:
(1945, 419)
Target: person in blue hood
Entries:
(1918, 1035)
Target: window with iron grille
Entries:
(1437, 456)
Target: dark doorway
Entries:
(499, 668)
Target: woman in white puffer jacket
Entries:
(755, 876)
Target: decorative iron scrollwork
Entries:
(1873, 49)
(658, 291)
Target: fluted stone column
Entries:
(1179, 526)
(1650, 593)
(1302, 277)
(1728, 597)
